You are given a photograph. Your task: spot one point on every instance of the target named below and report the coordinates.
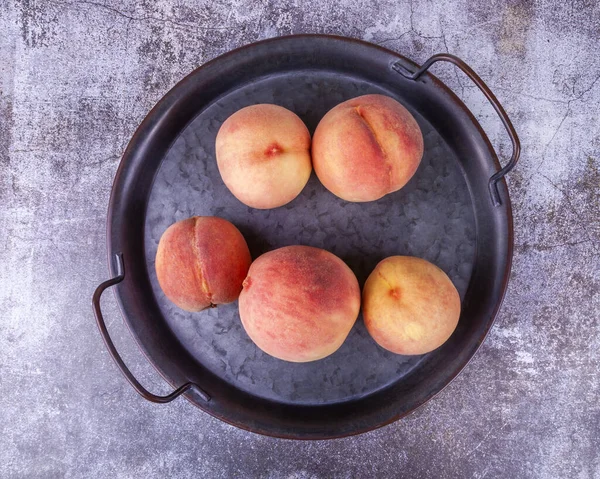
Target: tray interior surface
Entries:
(432, 217)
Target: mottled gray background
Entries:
(75, 80)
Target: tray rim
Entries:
(439, 84)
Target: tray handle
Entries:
(115, 355)
(467, 70)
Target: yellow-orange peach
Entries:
(299, 303)
(366, 147)
(263, 155)
(410, 306)
(201, 262)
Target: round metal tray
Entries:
(455, 212)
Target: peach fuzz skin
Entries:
(263, 155)
(366, 147)
(201, 262)
(410, 306)
(299, 303)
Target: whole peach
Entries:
(201, 262)
(299, 303)
(409, 305)
(263, 155)
(366, 147)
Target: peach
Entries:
(201, 262)
(366, 147)
(299, 303)
(263, 155)
(410, 306)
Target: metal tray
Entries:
(455, 212)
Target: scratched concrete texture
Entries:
(77, 77)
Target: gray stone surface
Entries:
(75, 80)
